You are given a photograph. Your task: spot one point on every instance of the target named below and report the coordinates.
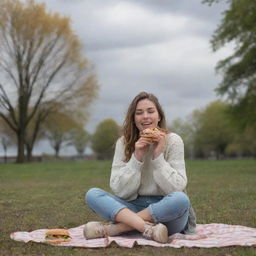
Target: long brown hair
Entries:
(130, 130)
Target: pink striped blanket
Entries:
(206, 236)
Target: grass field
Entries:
(50, 195)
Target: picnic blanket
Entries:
(206, 236)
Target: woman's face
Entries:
(146, 115)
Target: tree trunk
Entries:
(22, 109)
(29, 150)
(5, 154)
(57, 150)
(29, 156)
(31, 142)
(21, 144)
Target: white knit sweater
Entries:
(160, 176)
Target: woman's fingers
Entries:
(141, 143)
(159, 137)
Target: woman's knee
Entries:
(180, 199)
(92, 194)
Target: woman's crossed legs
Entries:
(171, 210)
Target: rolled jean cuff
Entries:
(151, 212)
(115, 212)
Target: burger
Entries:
(151, 134)
(56, 236)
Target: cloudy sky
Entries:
(158, 46)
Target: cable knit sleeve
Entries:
(169, 168)
(125, 177)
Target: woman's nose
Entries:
(145, 115)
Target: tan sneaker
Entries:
(157, 232)
(96, 229)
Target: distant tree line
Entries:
(212, 132)
(60, 130)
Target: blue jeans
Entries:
(171, 210)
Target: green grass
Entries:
(51, 195)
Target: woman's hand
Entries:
(141, 147)
(159, 145)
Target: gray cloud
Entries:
(193, 8)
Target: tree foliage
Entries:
(79, 138)
(244, 143)
(57, 129)
(41, 63)
(104, 138)
(213, 132)
(239, 69)
(185, 130)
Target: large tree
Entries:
(104, 138)
(239, 70)
(41, 62)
